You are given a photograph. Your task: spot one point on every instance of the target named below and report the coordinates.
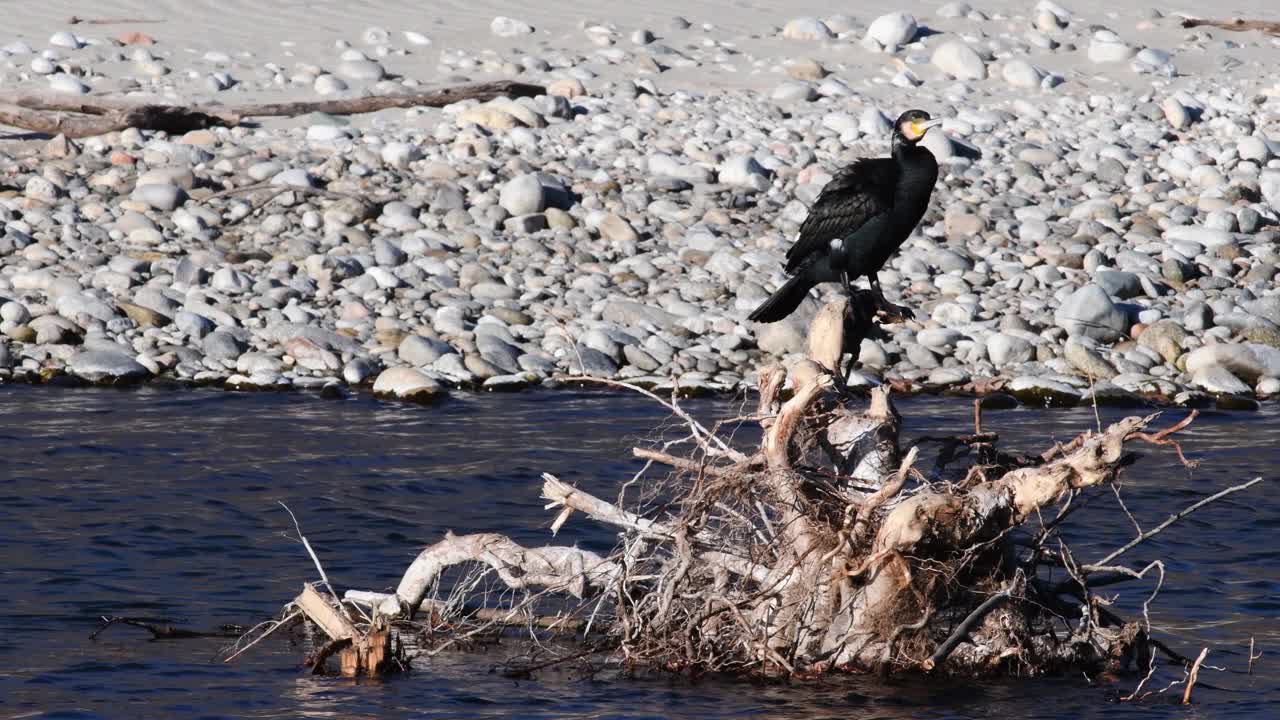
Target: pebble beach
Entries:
(1106, 224)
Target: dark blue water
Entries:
(165, 505)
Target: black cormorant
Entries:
(860, 219)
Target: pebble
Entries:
(624, 223)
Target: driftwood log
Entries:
(77, 117)
(1234, 24)
(824, 549)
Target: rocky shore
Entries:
(1105, 225)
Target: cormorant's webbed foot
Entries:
(893, 313)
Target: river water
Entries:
(164, 504)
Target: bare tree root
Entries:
(825, 549)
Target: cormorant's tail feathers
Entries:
(784, 301)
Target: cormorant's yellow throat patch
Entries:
(917, 128)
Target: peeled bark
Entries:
(557, 568)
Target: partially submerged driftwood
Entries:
(77, 117)
(826, 549)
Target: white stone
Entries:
(1004, 349)
(361, 70)
(1061, 14)
(376, 36)
(1270, 185)
(523, 195)
(960, 61)
(416, 38)
(107, 366)
(65, 39)
(893, 30)
(294, 177)
(503, 26)
(1255, 149)
(328, 133)
(159, 196)
(329, 85)
(1217, 379)
(14, 312)
(1176, 113)
(1246, 361)
(1207, 237)
(806, 28)
(873, 123)
(1021, 74)
(1090, 312)
(408, 383)
(744, 171)
(1106, 48)
(65, 83)
(400, 154)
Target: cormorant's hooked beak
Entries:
(926, 125)
(914, 130)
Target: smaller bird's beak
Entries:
(924, 126)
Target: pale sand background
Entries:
(263, 27)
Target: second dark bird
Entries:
(860, 219)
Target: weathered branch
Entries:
(571, 570)
(1104, 563)
(967, 625)
(319, 611)
(494, 616)
(563, 495)
(692, 466)
(85, 117)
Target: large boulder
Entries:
(108, 367)
(1246, 361)
(1091, 313)
(407, 384)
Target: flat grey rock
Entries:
(107, 367)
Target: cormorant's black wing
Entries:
(856, 194)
